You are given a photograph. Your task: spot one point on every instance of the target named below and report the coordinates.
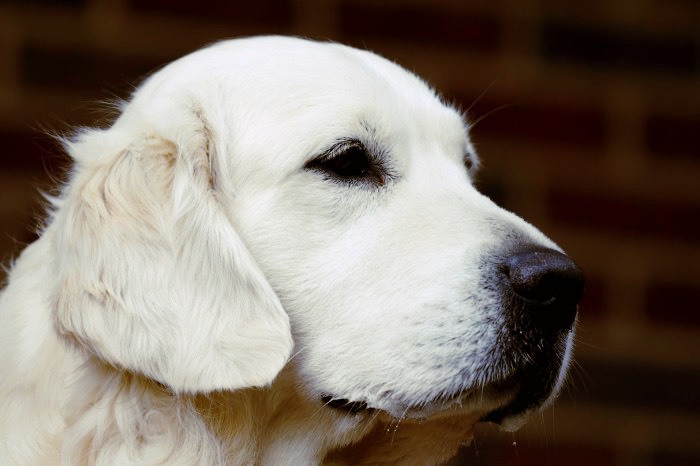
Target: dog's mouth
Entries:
(492, 399)
(499, 412)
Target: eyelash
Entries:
(349, 162)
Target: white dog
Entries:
(276, 256)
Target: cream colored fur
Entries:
(197, 290)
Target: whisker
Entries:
(489, 113)
(546, 440)
(376, 415)
(583, 379)
(297, 353)
(515, 446)
(323, 406)
(393, 435)
(483, 93)
(580, 341)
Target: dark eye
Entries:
(349, 163)
(471, 163)
(468, 163)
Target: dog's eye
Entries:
(471, 163)
(349, 163)
(468, 163)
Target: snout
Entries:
(512, 356)
(541, 289)
(548, 284)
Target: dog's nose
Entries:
(549, 281)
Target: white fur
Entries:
(150, 323)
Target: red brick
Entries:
(676, 459)
(83, 70)
(418, 24)
(673, 135)
(595, 298)
(525, 454)
(32, 152)
(69, 3)
(636, 385)
(273, 14)
(633, 217)
(598, 47)
(492, 187)
(532, 122)
(19, 230)
(673, 303)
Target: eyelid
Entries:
(343, 145)
(375, 157)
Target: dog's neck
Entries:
(135, 419)
(119, 416)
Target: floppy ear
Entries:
(152, 277)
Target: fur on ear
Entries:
(152, 277)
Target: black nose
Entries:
(548, 280)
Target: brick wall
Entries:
(588, 127)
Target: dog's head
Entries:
(265, 182)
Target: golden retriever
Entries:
(276, 255)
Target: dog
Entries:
(276, 255)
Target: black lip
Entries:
(352, 407)
(535, 384)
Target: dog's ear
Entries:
(152, 277)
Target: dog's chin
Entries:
(479, 402)
(507, 402)
(475, 406)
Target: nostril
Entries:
(547, 278)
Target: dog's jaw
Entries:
(407, 441)
(434, 433)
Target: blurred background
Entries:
(587, 118)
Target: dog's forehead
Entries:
(288, 79)
(276, 102)
(291, 65)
